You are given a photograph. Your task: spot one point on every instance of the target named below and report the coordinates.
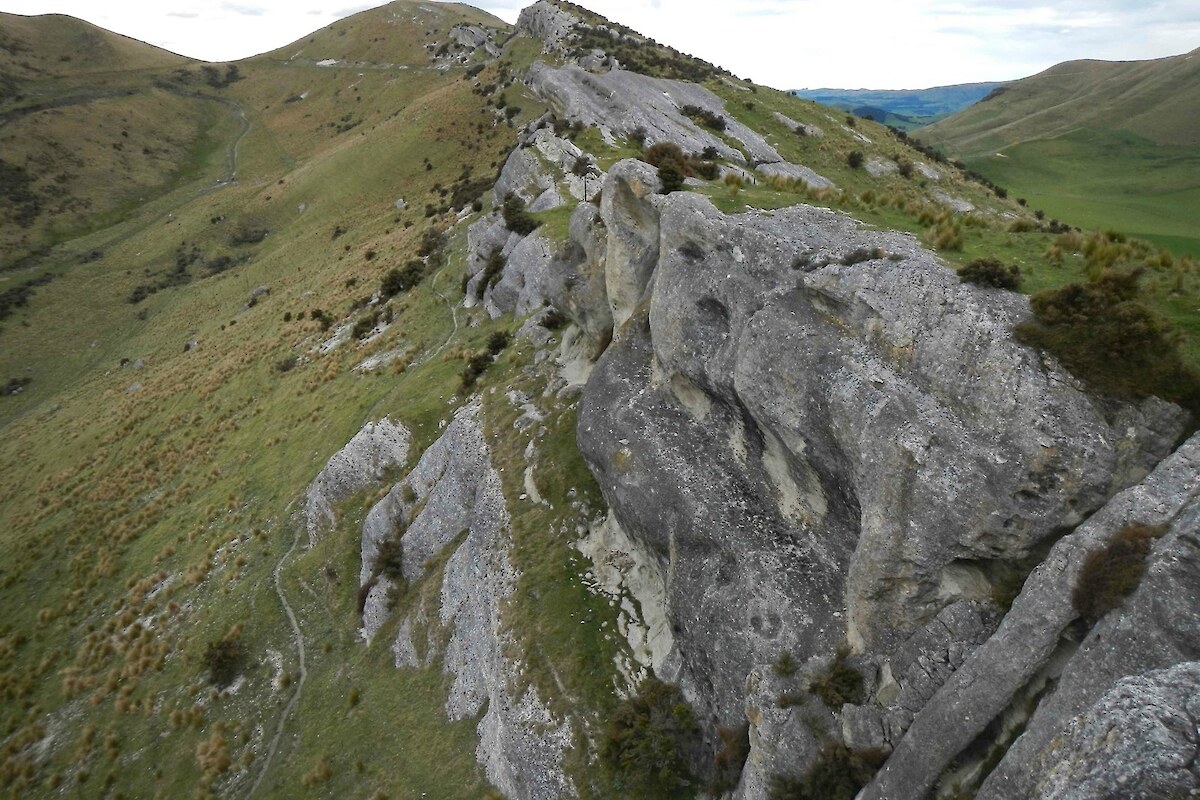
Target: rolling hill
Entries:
(1099, 144)
(902, 108)
(377, 420)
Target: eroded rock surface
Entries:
(360, 463)
(822, 435)
(450, 518)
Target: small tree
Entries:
(855, 159)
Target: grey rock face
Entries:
(1030, 633)
(548, 22)
(816, 450)
(1155, 628)
(1138, 742)
(360, 463)
(455, 509)
(619, 102)
(788, 727)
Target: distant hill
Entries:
(902, 108)
(1097, 143)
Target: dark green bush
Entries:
(498, 341)
(389, 561)
(703, 116)
(838, 684)
(670, 176)
(1103, 334)
(855, 159)
(1110, 573)
(476, 366)
(224, 659)
(838, 774)
(492, 269)
(516, 218)
(786, 664)
(649, 739)
(401, 280)
(991, 272)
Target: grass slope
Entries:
(1097, 144)
(146, 507)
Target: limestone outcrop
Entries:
(825, 439)
(449, 519)
(378, 446)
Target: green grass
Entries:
(1108, 180)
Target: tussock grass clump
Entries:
(991, 272)
(650, 738)
(1110, 573)
(1104, 334)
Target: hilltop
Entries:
(1101, 144)
(465, 410)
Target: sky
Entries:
(787, 44)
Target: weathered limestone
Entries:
(360, 463)
(451, 509)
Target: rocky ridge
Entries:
(812, 440)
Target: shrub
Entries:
(286, 364)
(516, 218)
(838, 774)
(389, 561)
(224, 659)
(855, 159)
(401, 280)
(662, 153)
(840, 683)
(363, 327)
(703, 116)
(730, 759)
(492, 269)
(671, 177)
(1112, 572)
(650, 737)
(638, 136)
(476, 366)
(991, 272)
(498, 341)
(1103, 334)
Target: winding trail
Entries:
(298, 637)
(452, 306)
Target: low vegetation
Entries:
(992, 272)
(838, 774)
(1103, 333)
(839, 683)
(650, 740)
(1111, 572)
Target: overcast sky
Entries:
(788, 44)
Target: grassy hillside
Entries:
(1103, 144)
(170, 415)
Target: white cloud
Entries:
(782, 43)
